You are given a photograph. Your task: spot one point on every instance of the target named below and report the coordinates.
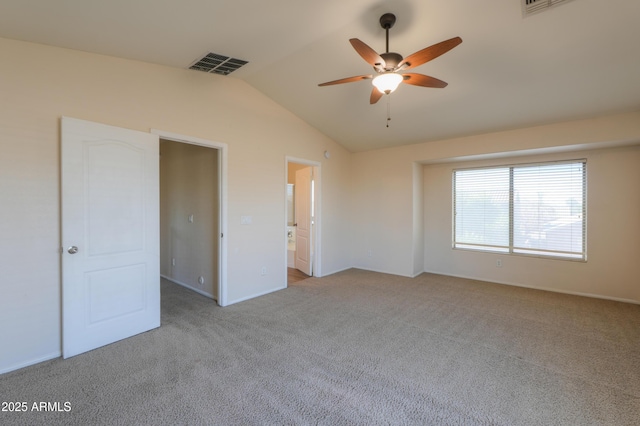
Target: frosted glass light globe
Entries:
(387, 82)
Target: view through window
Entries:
(533, 209)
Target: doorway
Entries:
(302, 219)
(110, 181)
(189, 206)
(192, 219)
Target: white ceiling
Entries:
(577, 60)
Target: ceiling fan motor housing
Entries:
(391, 60)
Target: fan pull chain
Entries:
(388, 109)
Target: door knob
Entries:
(72, 250)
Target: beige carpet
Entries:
(358, 348)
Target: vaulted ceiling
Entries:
(579, 59)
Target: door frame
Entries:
(222, 205)
(317, 222)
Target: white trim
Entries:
(565, 149)
(242, 299)
(378, 271)
(187, 286)
(52, 355)
(317, 237)
(415, 275)
(553, 290)
(222, 179)
(338, 271)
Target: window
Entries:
(531, 209)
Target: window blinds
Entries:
(533, 209)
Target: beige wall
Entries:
(371, 207)
(189, 185)
(40, 84)
(613, 227)
(383, 214)
(387, 194)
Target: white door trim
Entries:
(317, 228)
(222, 181)
(304, 218)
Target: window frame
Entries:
(510, 249)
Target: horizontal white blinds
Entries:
(548, 209)
(536, 209)
(482, 208)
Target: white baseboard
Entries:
(384, 272)
(335, 272)
(197, 290)
(417, 274)
(44, 358)
(242, 299)
(553, 290)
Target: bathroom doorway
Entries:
(302, 220)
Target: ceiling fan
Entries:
(389, 65)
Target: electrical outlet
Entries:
(263, 271)
(369, 253)
(499, 263)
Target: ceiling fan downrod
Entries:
(387, 21)
(391, 59)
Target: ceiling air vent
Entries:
(529, 7)
(217, 64)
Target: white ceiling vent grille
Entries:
(217, 64)
(529, 7)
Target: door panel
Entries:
(114, 191)
(110, 213)
(303, 220)
(115, 292)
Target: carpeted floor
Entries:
(358, 348)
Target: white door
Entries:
(110, 234)
(303, 215)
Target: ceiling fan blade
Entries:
(422, 80)
(375, 96)
(346, 80)
(429, 53)
(367, 53)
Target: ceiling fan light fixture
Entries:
(387, 82)
(389, 65)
